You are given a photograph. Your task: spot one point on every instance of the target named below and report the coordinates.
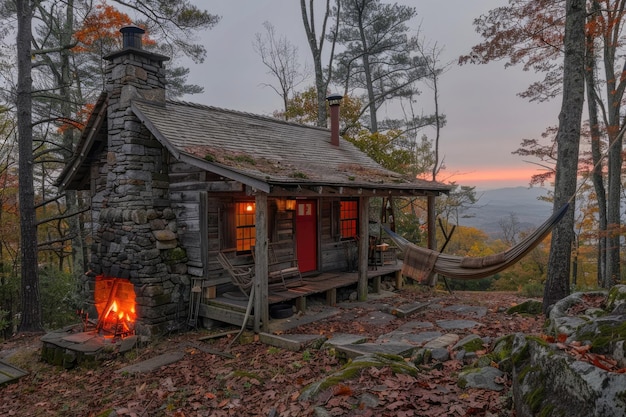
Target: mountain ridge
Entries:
(500, 204)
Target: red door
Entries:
(306, 234)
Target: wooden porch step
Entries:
(226, 312)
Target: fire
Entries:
(115, 303)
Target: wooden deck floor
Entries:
(231, 309)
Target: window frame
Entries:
(348, 219)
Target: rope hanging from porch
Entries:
(420, 262)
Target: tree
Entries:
(316, 45)
(378, 54)
(281, 59)
(31, 303)
(531, 33)
(176, 22)
(568, 140)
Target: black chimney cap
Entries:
(131, 36)
(334, 99)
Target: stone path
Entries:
(417, 339)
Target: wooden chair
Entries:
(283, 260)
(282, 267)
(241, 277)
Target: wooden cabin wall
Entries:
(197, 211)
(334, 252)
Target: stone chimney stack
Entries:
(136, 238)
(334, 101)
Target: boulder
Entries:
(549, 382)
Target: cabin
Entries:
(195, 207)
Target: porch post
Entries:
(364, 227)
(261, 306)
(432, 234)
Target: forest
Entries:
(53, 72)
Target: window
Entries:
(245, 215)
(348, 218)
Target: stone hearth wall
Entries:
(135, 234)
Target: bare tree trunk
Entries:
(596, 155)
(31, 303)
(71, 200)
(321, 81)
(568, 142)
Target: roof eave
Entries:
(86, 143)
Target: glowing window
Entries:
(348, 219)
(245, 214)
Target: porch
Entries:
(230, 307)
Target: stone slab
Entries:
(9, 373)
(340, 339)
(404, 337)
(408, 309)
(88, 346)
(354, 351)
(377, 317)
(483, 378)
(153, 363)
(79, 337)
(457, 324)
(293, 342)
(128, 343)
(415, 325)
(443, 341)
(476, 311)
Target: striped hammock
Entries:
(420, 263)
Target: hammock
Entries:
(420, 262)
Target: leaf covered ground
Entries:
(260, 380)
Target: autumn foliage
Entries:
(102, 26)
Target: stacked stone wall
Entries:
(135, 230)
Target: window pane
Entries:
(348, 218)
(244, 223)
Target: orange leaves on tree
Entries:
(79, 121)
(104, 23)
(101, 26)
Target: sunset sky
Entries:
(486, 119)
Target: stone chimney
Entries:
(136, 234)
(334, 101)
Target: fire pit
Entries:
(93, 340)
(115, 304)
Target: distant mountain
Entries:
(496, 205)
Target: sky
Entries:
(486, 120)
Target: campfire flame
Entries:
(115, 303)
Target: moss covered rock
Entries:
(548, 382)
(353, 369)
(527, 308)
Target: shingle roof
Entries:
(266, 149)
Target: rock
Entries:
(565, 325)
(457, 324)
(616, 297)
(560, 308)
(470, 343)
(482, 378)
(475, 311)
(440, 354)
(443, 341)
(528, 307)
(547, 382)
(354, 368)
(603, 333)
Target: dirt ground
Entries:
(260, 380)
